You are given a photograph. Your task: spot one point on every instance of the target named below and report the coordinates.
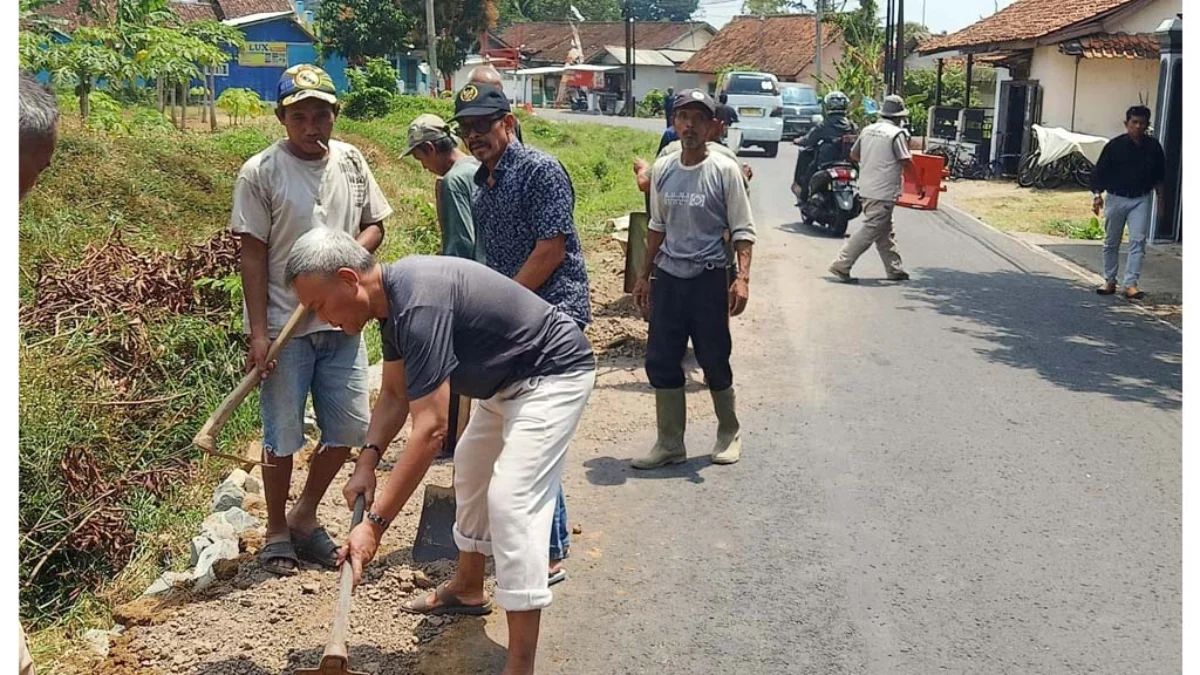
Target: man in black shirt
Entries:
(1131, 166)
(725, 114)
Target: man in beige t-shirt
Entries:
(303, 182)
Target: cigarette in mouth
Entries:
(322, 144)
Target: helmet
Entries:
(836, 102)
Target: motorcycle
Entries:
(833, 199)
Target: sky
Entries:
(940, 15)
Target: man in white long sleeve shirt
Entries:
(696, 196)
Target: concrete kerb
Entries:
(1084, 275)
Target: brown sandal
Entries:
(449, 604)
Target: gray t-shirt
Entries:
(450, 318)
(693, 206)
(881, 148)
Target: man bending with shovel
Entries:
(449, 323)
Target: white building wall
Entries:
(1146, 20)
(654, 77)
(1106, 88)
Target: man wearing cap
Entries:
(300, 183)
(882, 153)
(696, 196)
(431, 143)
(523, 211)
(487, 74)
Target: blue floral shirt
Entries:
(531, 200)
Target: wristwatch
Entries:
(371, 446)
(378, 520)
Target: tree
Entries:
(664, 10)
(88, 57)
(359, 29)
(767, 7)
(224, 38)
(175, 58)
(861, 25)
(458, 24)
(517, 11)
(914, 33)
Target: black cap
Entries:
(480, 100)
(695, 97)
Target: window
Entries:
(751, 84)
(800, 96)
(222, 70)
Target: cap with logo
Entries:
(305, 81)
(480, 100)
(695, 97)
(426, 128)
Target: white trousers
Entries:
(507, 473)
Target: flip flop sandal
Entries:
(557, 577)
(450, 604)
(271, 554)
(317, 547)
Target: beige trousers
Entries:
(26, 659)
(876, 229)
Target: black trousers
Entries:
(689, 308)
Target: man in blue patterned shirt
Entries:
(523, 213)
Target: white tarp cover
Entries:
(1054, 143)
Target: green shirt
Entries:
(458, 228)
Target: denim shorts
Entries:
(330, 365)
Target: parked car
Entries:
(759, 105)
(800, 103)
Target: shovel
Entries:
(335, 660)
(435, 531)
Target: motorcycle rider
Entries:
(822, 146)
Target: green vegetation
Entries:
(131, 330)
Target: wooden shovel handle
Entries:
(341, 615)
(206, 439)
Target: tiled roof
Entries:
(1023, 20)
(783, 45)
(194, 11)
(232, 9)
(549, 41)
(1112, 46)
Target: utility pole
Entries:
(431, 50)
(818, 57)
(627, 13)
(900, 52)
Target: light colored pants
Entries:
(26, 660)
(330, 365)
(1118, 211)
(507, 476)
(876, 229)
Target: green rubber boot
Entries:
(728, 448)
(671, 408)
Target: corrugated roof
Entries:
(1023, 20)
(1113, 46)
(641, 57)
(549, 41)
(783, 45)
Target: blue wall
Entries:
(300, 50)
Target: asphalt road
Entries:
(977, 471)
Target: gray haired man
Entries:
(882, 154)
(39, 133)
(449, 323)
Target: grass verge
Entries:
(1061, 213)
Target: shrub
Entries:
(241, 103)
(652, 104)
(372, 89)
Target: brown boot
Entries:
(1132, 293)
(1108, 288)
